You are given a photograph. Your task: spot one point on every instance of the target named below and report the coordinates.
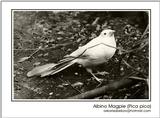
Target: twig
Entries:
(69, 85)
(138, 78)
(118, 48)
(95, 21)
(104, 89)
(73, 87)
(56, 46)
(145, 32)
(24, 49)
(35, 52)
(97, 45)
(127, 64)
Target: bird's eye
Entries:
(104, 33)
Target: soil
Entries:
(57, 34)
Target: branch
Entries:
(103, 90)
(48, 48)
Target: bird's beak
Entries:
(113, 31)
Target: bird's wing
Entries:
(81, 51)
(78, 52)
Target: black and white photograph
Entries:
(70, 54)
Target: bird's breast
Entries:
(98, 54)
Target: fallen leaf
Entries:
(79, 40)
(46, 54)
(65, 84)
(60, 86)
(102, 73)
(23, 59)
(61, 33)
(76, 73)
(77, 84)
(40, 55)
(57, 95)
(51, 93)
(59, 38)
(36, 63)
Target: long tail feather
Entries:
(65, 60)
(40, 69)
(58, 69)
(50, 69)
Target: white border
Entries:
(73, 109)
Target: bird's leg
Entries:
(96, 78)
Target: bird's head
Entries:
(107, 33)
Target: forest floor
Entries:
(55, 34)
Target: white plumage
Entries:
(95, 52)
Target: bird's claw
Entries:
(98, 80)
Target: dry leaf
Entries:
(23, 59)
(77, 84)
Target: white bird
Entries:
(95, 52)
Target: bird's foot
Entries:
(98, 80)
(102, 73)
